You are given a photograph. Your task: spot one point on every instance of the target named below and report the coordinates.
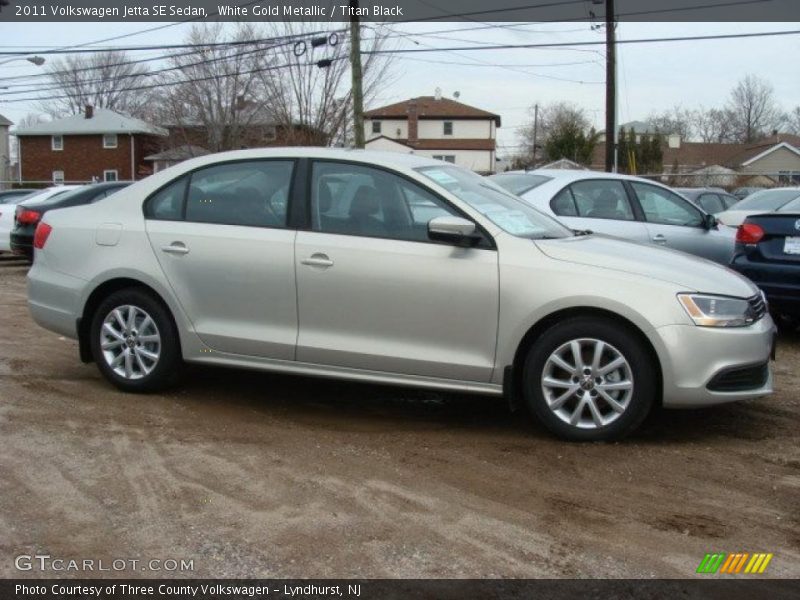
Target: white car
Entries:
(765, 201)
(8, 208)
(624, 206)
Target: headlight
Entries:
(717, 311)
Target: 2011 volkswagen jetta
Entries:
(398, 269)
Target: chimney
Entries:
(412, 120)
(88, 111)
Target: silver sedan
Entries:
(396, 269)
(629, 207)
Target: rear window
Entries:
(519, 183)
(767, 200)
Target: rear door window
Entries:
(253, 193)
(563, 204)
(602, 199)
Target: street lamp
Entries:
(36, 60)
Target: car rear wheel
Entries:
(134, 341)
(588, 379)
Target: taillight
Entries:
(41, 234)
(26, 216)
(749, 233)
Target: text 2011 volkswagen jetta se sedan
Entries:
(393, 268)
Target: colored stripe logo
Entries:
(735, 563)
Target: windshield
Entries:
(519, 183)
(767, 200)
(504, 210)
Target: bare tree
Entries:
(793, 121)
(29, 120)
(103, 80)
(675, 120)
(753, 108)
(714, 125)
(308, 92)
(209, 90)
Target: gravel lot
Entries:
(256, 475)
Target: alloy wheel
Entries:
(130, 342)
(587, 383)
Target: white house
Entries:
(5, 154)
(436, 127)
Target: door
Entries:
(220, 237)
(374, 293)
(600, 205)
(676, 223)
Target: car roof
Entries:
(567, 175)
(373, 157)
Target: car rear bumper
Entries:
(22, 244)
(780, 282)
(54, 299)
(704, 366)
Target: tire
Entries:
(609, 404)
(786, 323)
(147, 338)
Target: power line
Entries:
(591, 43)
(156, 72)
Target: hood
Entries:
(734, 218)
(690, 273)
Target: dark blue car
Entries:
(768, 253)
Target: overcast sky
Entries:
(652, 77)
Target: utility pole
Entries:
(611, 89)
(355, 69)
(535, 131)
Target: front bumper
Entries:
(694, 359)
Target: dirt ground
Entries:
(257, 475)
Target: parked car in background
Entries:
(624, 206)
(29, 212)
(711, 200)
(765, 201)
(8, 213)
(768, 253)
(744, 192)
(8, 201)
(392, 268)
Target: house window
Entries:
(110, 175)
(57, 142)
(110, 140)
(448, 128)
(270, 133)
(376, 127)
(445, 157)
(789, 177)
(58, 177)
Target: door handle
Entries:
(660, 239)
(318, 260)
(175, 248)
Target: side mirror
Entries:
(453, 230)
(709, 222)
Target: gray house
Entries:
(6, 176)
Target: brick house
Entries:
(98, 145)
(436, 127)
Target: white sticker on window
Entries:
(441, 177)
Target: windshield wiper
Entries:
(578, 232)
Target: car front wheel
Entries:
(134, 341)
(589, 379)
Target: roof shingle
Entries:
(428, 107)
